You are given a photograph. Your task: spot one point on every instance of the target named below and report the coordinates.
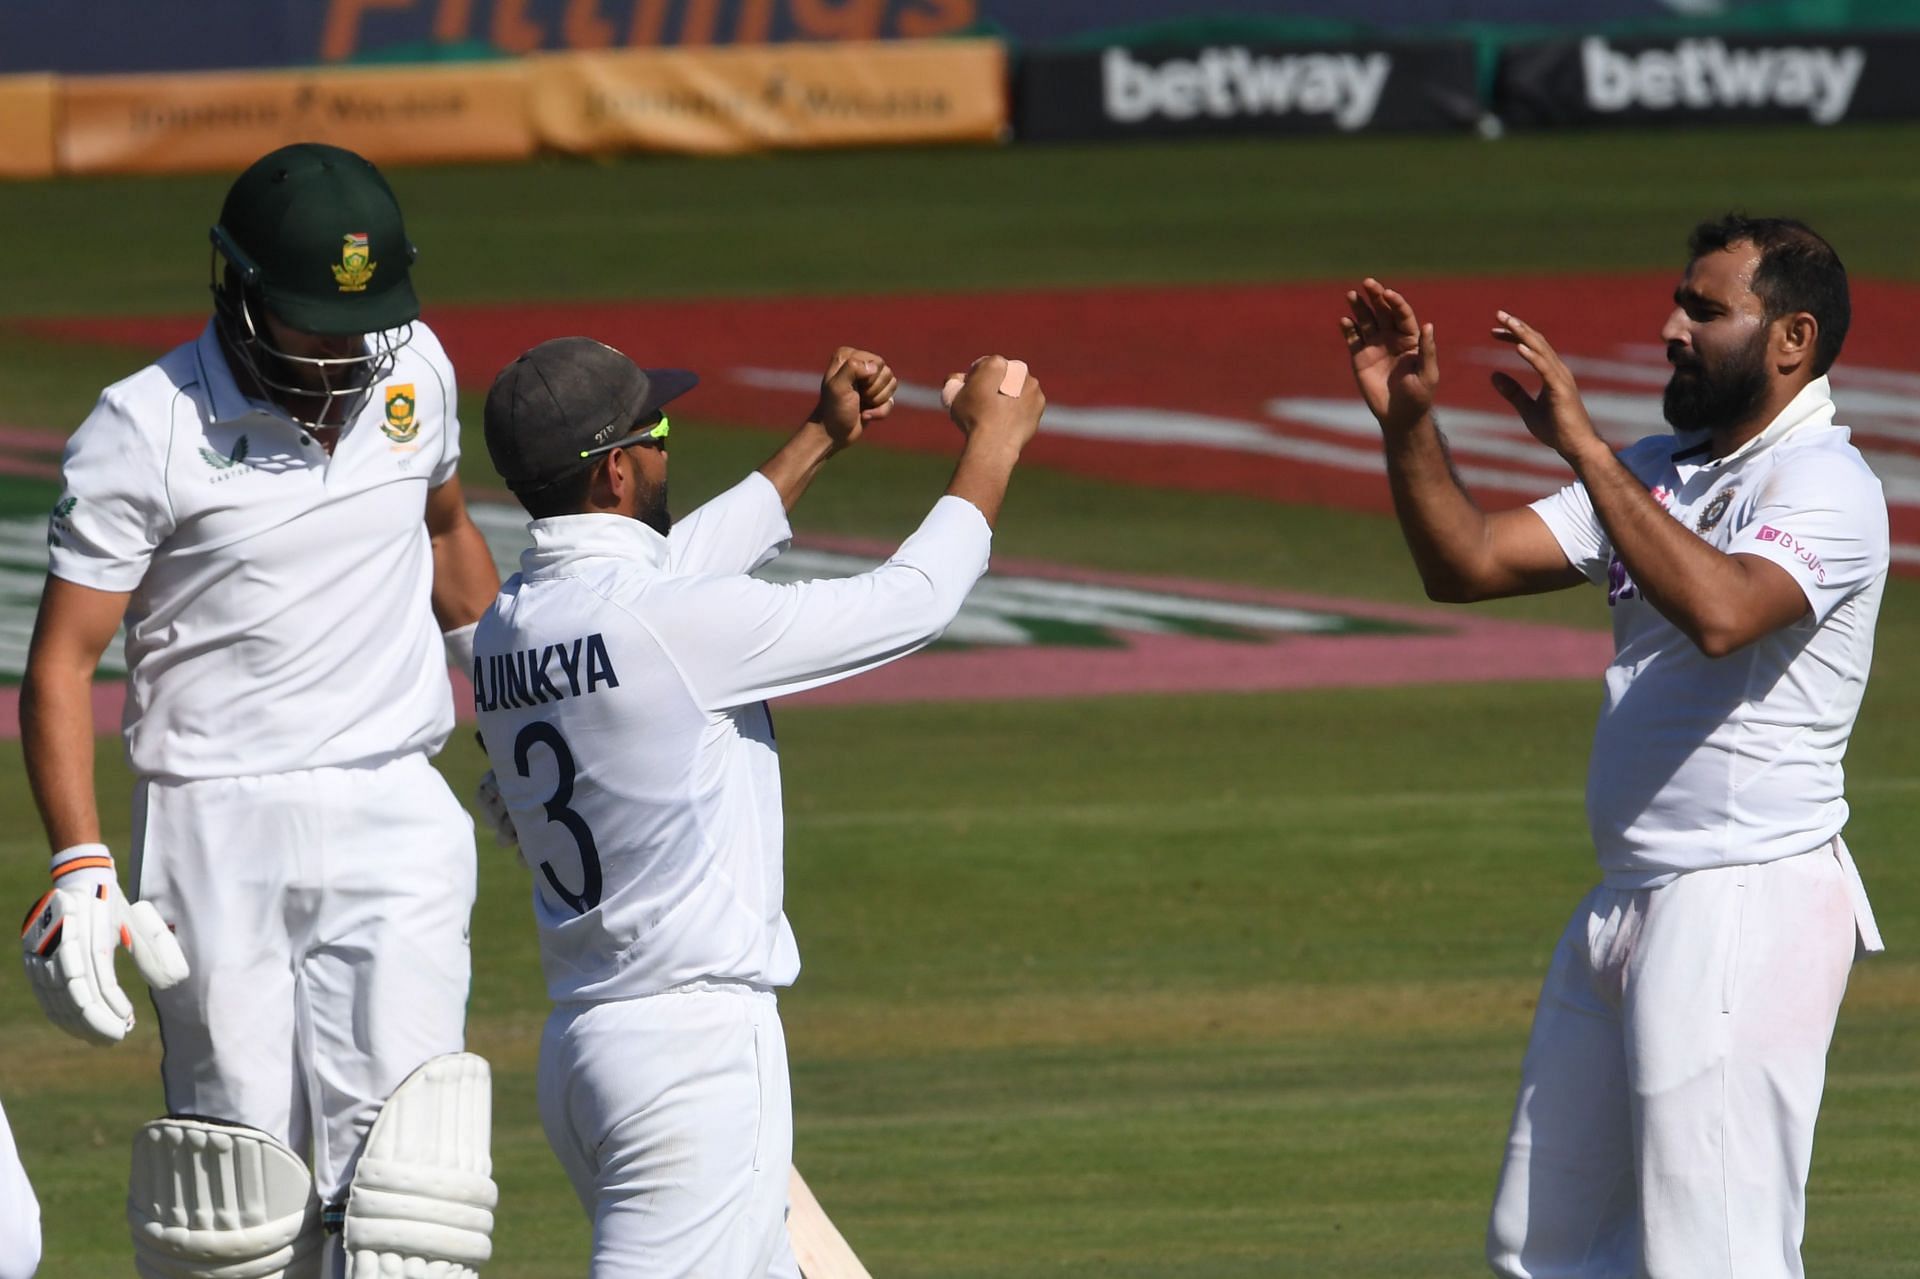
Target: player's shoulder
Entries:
(1825, 454)
(1828, 447)
(424, 347)
(139, 405)
(687, 606)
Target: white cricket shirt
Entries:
(620, 680)
(1701, 761)
(280, 615)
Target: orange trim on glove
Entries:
(33, 912)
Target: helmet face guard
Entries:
(317, 392)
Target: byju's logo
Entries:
(1703, 75)
(1801, 551)
(1231, 83)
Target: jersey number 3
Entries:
(544, 734)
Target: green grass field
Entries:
(1211, 986)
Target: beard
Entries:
(653, 511)
(1704, 397)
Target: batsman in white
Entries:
(1666, 1113)
(273, 511)
(621, 681)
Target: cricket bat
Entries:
(819, 1248)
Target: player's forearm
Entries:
(984, 472)
(464, 579)
(1699, 589)
(1444, 528)
(56, 729)
(792, 469)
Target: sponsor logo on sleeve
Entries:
(1800, 550)
(1705, 74)
(1231, 83)
(57, 524)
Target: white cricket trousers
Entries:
(1665, 1122)
(19, 1212)
(324, 914)
(672, 1117)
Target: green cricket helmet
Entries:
(312, 234)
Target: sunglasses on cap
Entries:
(653, 433)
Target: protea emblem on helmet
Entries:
(400, 426)
(356, 263)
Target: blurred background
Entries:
(1182, 913)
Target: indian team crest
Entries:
(1716, 510)
(356, 263)
(401, 425)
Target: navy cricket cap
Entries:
(567, 397)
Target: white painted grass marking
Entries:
(1170, 426)
(23, 571)
(1874, 403)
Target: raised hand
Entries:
(1555, 416)
(989, 397)
(858, 388)
(1396, 363)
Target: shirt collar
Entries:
(1813, 406)
(560, 541)
(224, 399)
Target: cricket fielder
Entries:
(1667, 1102)
(621, 681)
(274, 512)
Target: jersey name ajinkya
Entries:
(536, 676)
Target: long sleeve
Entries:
(737, 640)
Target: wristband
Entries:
(80, 857)
(459, 643)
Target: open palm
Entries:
(1396, 364)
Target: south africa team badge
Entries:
(356, 263)
(400, 426)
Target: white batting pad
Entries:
(422, 1197)
(220, 1201)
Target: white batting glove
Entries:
(68, 942)
(493, 808)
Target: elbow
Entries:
(1717, 643)
(929, 608)
(1717, 637)
(1451, 587)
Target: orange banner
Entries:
(746, 99)
(224, 121)
(28, 108)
